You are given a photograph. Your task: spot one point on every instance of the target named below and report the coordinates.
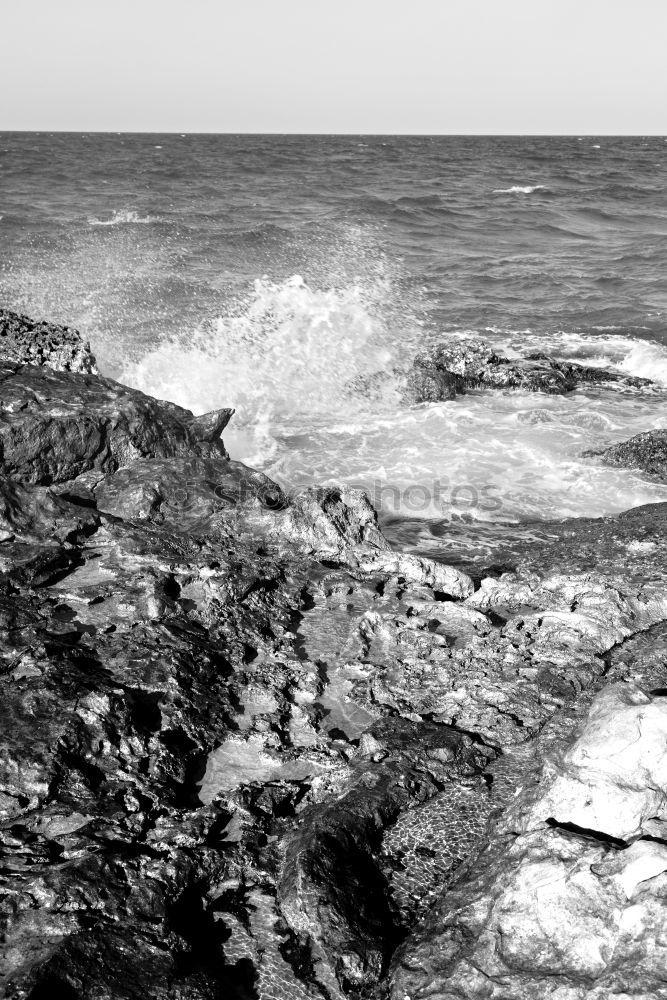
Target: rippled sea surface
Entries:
(277, 273)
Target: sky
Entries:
(383, 66)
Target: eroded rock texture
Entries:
(29, 343)
(250, 751)
(451, 368)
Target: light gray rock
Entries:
(613, 779)
(557, 904)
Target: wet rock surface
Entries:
(448, 369)
(647, 452)
(250, 751)
(55, 425)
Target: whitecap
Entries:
(517, 189)
(124, 217)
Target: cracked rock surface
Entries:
(251, 751)
(568, 896)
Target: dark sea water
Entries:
(272, 272)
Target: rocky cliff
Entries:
(250, 751)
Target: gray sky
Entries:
(475, 66)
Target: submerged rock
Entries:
(647, 452)
(26, 342)
(447, 369)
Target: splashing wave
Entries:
(289, 354)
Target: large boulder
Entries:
(426, 383)
(55, 425)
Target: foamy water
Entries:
(290, 354)
(296, 363)
(124, 217)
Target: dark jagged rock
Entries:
(349, 919)
(28, 343)
(446, 369)
(209, 426)
(647, 452)
(246, 746)
(56, 425)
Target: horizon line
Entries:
(423, 135)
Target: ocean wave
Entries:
(125, 217)
(286, 356)
(518, 189)
(646, 360)
(420, 200)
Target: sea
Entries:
(296, 277)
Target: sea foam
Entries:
(123, 218)
(646, 360)
(296, 362)
(517, 189)
(288, 356)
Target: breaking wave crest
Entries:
(647, 360)
(125, 217)
(517, 189)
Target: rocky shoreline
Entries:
(252, 751)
